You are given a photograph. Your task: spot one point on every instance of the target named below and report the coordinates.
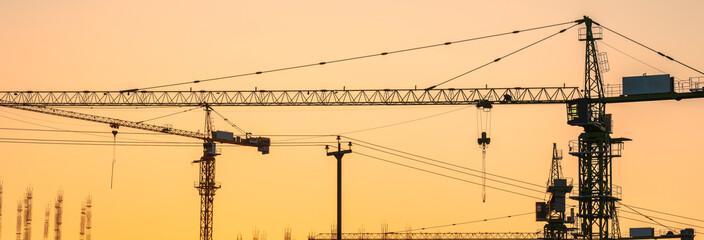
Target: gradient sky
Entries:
(100, 45)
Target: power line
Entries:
(97, 144)
(462, 223)
(41, 125)
(633, 219)
(404, 122)
(144, 144)
(668, 220)
(374, 128)
(669, 214)
(649, 218)
(350, 58)
(444, 175)
(499, 59)
(450, 169)
(61, 129)
(71, 131)
(89, 141)
(653, 50)
(152, 142)
(442, 162)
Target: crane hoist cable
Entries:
(114, 152)
(484, 137)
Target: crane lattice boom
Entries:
(262, 143)
(450, 96)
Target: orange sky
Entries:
(91, 45)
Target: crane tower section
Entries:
(595, 148)
(553, 211)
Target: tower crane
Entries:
(553, 211)
(206, 184)
(586, 108)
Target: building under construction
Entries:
(24, 217)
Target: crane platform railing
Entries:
(449, 96)
(691, 85)
(430, 236)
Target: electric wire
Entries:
(462, 223)
(653, 50)
(450, 169)
(404, 122)
(91, 141)
(300, 135)
(349, 59)
(637, 220)
(668, 220)
(70, 131)
(98, 144)
(136, 142)
(669, 214)
(500, 58)
(41, 125)
(59, 129)
(442, 162)
(649, 218)
(200, 145)
(303, 137)
(444, 175)
(632, 57)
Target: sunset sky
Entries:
(117, 45)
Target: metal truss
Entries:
(450, 96)
(429, 236)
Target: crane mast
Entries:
(553, 211)
(595, 149)
(206, 180)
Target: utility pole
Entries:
(338, 155)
